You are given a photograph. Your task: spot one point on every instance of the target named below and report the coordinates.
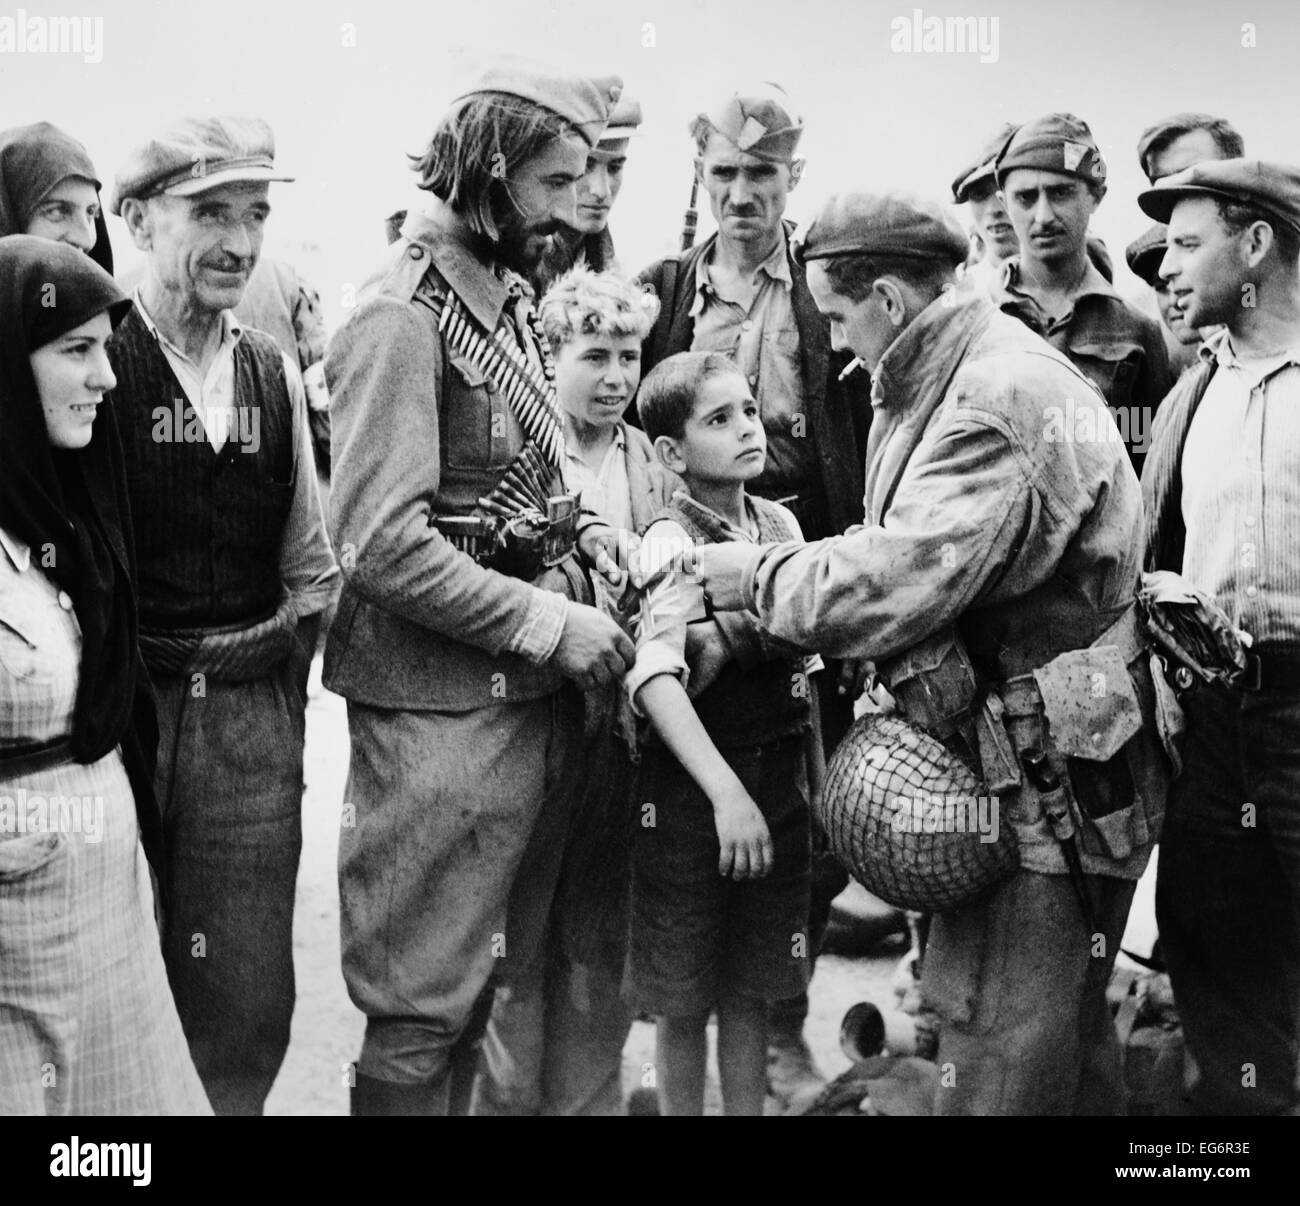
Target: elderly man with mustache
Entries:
(234, 570)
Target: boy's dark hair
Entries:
(852, 276)
(1156, 138)
(474, 150)
(667, 396)
(1236, 216)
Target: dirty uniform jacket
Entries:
(419, 432)
(1117, 347)
(1030, 546)
(838, 411)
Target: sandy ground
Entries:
(327, 1028)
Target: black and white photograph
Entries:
(646, 558)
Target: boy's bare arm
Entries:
(743, 837)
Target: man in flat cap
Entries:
(1222, 495)
(1053, 177)
(465, 633)
(589, 241)
(1166, 147)
(742, 293)
(234, 571)
(994, 564)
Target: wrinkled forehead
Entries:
(721, 152)
(565, 154)
(239, 194)
(608, 151)
(1195, 146)
(1020, 180)
(1193, 214)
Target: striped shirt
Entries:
(1241, 491)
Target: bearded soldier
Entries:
(464, 623)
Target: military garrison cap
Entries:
(760, 122)
(585, 103)
(1272, 187)
(982, 168)
(198, 154)
(623, 121)
(1146, 251)
(891, 224)
(1059, 142)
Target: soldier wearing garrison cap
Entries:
(465, 631)
(999, 551)
(588, 240)
(993, 235)
(1222, 494)
(1052, 177)
(1144, 256)
(234, 572)
(741, 293)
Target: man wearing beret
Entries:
(235, 570)
(589, 241)
(987, 552)
(1053, 177)
(1222, 496)
(742, 293)
(464, 633)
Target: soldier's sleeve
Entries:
(383, 369)
(1158, 377)
(307, 566)
(963, 511)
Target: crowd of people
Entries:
(611, 564)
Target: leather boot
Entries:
(373, 1098)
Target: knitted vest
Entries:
(747, 707)
(208, 525)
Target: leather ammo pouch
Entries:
(1092, 713)
(937, 688)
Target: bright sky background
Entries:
(345, 115)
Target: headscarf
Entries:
(33, 159)
(70, 505)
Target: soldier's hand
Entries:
(706, 655)
(593, 650)
(721, 569)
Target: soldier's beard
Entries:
(522, 246)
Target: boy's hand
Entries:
(743, 836)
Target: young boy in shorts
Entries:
(721, 854)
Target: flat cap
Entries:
(982, 168)
(585, 103)
(1273, 187)
(195, 155)
(891, 224)
(759, 119)
(623, 121)
(1146, 251)
(1059, 142)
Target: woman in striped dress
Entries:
(87, 1021)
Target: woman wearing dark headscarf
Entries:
(48, 187)
(87, 1020)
